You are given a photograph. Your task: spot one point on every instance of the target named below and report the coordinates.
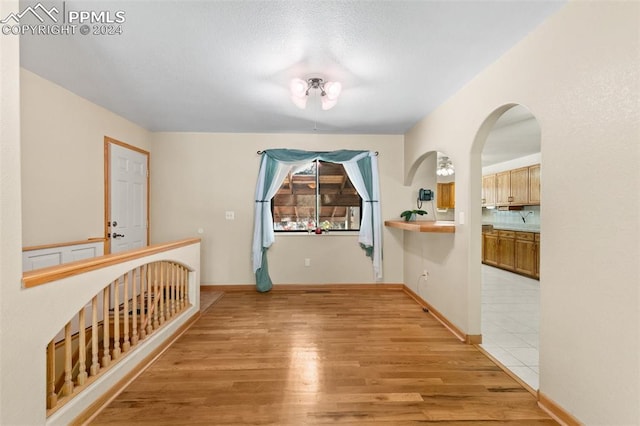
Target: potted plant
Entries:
(410, 215)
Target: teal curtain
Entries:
(362, 168)
(269, 180)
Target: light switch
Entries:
(230, 215)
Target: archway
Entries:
(504, 256)
(435, 171)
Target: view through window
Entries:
(317, 195)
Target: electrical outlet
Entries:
(229, 215)
(425, 273)
(307, 262)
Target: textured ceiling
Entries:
(225, 66)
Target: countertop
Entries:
(448, 227)
(520, 227)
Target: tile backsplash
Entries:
(530, 213)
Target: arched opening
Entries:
(435, 171)
(505, 169)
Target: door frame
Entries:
(107, 186)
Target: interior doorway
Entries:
(126, 196)
(510, 155)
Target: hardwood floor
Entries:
(208, 298)
(321, 357)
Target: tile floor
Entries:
(510, 321)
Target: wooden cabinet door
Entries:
(446, 195)
(503, 188)
(517, 187)
(534, 184)
(490, 248)
(513, 251)
(506, 250)
(442, 196)
(525, 253)
(489, 190)
(519, 179)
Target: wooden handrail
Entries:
(54, 273)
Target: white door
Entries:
(128, 198)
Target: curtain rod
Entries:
(262, 152)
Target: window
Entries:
(317, 195)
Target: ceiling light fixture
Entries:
(445, 167)
(329, 92)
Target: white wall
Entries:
(435, 252)
(578, 73)
(11, 382)
(63, 161)
(196, 177)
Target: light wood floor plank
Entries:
(321, 357)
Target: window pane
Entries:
(304, 195)
(339, 202)
(294, 206)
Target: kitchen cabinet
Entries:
(489, 190)
(446, 195)
(520, 185)
(525, 253)
(506, 250)
(513, 251)
(503, 188)
(534, 184)
(490, 248)
(512, 187)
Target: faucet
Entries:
(524, 218)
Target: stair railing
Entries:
(115, 321)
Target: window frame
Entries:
(318, 206)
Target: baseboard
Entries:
(467, 338)
(473, 339)
(302, 287)
(558, 413)
(99, 404)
